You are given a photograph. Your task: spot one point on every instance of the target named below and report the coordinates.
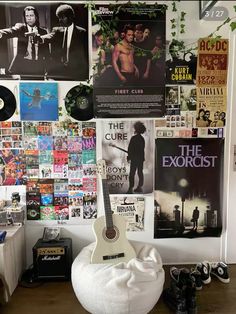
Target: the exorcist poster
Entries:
(188, 188)
(127, 148)
(41, 41)
(129, 61)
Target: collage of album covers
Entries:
(61, 199)
(54, 151)
(37, 44)
(129, 62)
(132, 209)
(188, 187)
(127, 148)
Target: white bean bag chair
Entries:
(124, 288)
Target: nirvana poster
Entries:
(188, 187)
(127, 148)
(37, 43)
(129, 61)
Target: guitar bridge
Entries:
(107, 257)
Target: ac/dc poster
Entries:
(37, 43)
(129, 61)
(181, 67)
(127, 148)
(188, 187)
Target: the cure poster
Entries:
(129, 61)
(127, 148)
(188, 188)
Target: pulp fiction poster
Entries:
(36, 45)
(188, 187)
(127, 148)
(129, 61)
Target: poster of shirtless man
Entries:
(129, 62)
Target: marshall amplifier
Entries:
(52, 260)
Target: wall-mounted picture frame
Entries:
(205, 6)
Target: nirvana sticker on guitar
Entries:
(112, 245)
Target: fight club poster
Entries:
(181, 66)
(212, 62)
(127, 148)
(129, 61)
(188, 188)
(36, 44)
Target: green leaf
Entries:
(173, 34)
(233, 25)
(235, 8)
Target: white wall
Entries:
(171, 250)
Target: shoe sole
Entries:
(207, 281)
(221, 279)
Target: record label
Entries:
(7, 103)
(79, 103)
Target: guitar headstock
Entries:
(101, 168)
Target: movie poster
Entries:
(212, 62)
(132, 209)
(188, 187)
(127, 148)
(181, 67)
(211, 106)
(36, 45)
(129, 61)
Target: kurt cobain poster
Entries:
(188, 187)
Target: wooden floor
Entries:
(59, 298)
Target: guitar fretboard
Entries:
(107, 204)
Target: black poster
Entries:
(129, 61)
(188, 188)
(44, 41)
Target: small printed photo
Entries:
(39, 101)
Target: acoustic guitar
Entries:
(112, 245)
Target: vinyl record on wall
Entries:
(79, 102)
(7, 103)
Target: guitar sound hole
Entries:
(111, 234)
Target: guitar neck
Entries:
(107, 204)
(123, 150)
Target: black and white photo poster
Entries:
(188, 187)
(127, 148)
(44, 41)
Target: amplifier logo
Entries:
(51, 258)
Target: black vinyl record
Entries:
(79, 102)
(7, 103)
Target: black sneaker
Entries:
(191, 300)
(205, 269)
(180, 275)
(174, 298)
(196, 277)
(220, 270)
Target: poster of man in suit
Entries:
(44, 41)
